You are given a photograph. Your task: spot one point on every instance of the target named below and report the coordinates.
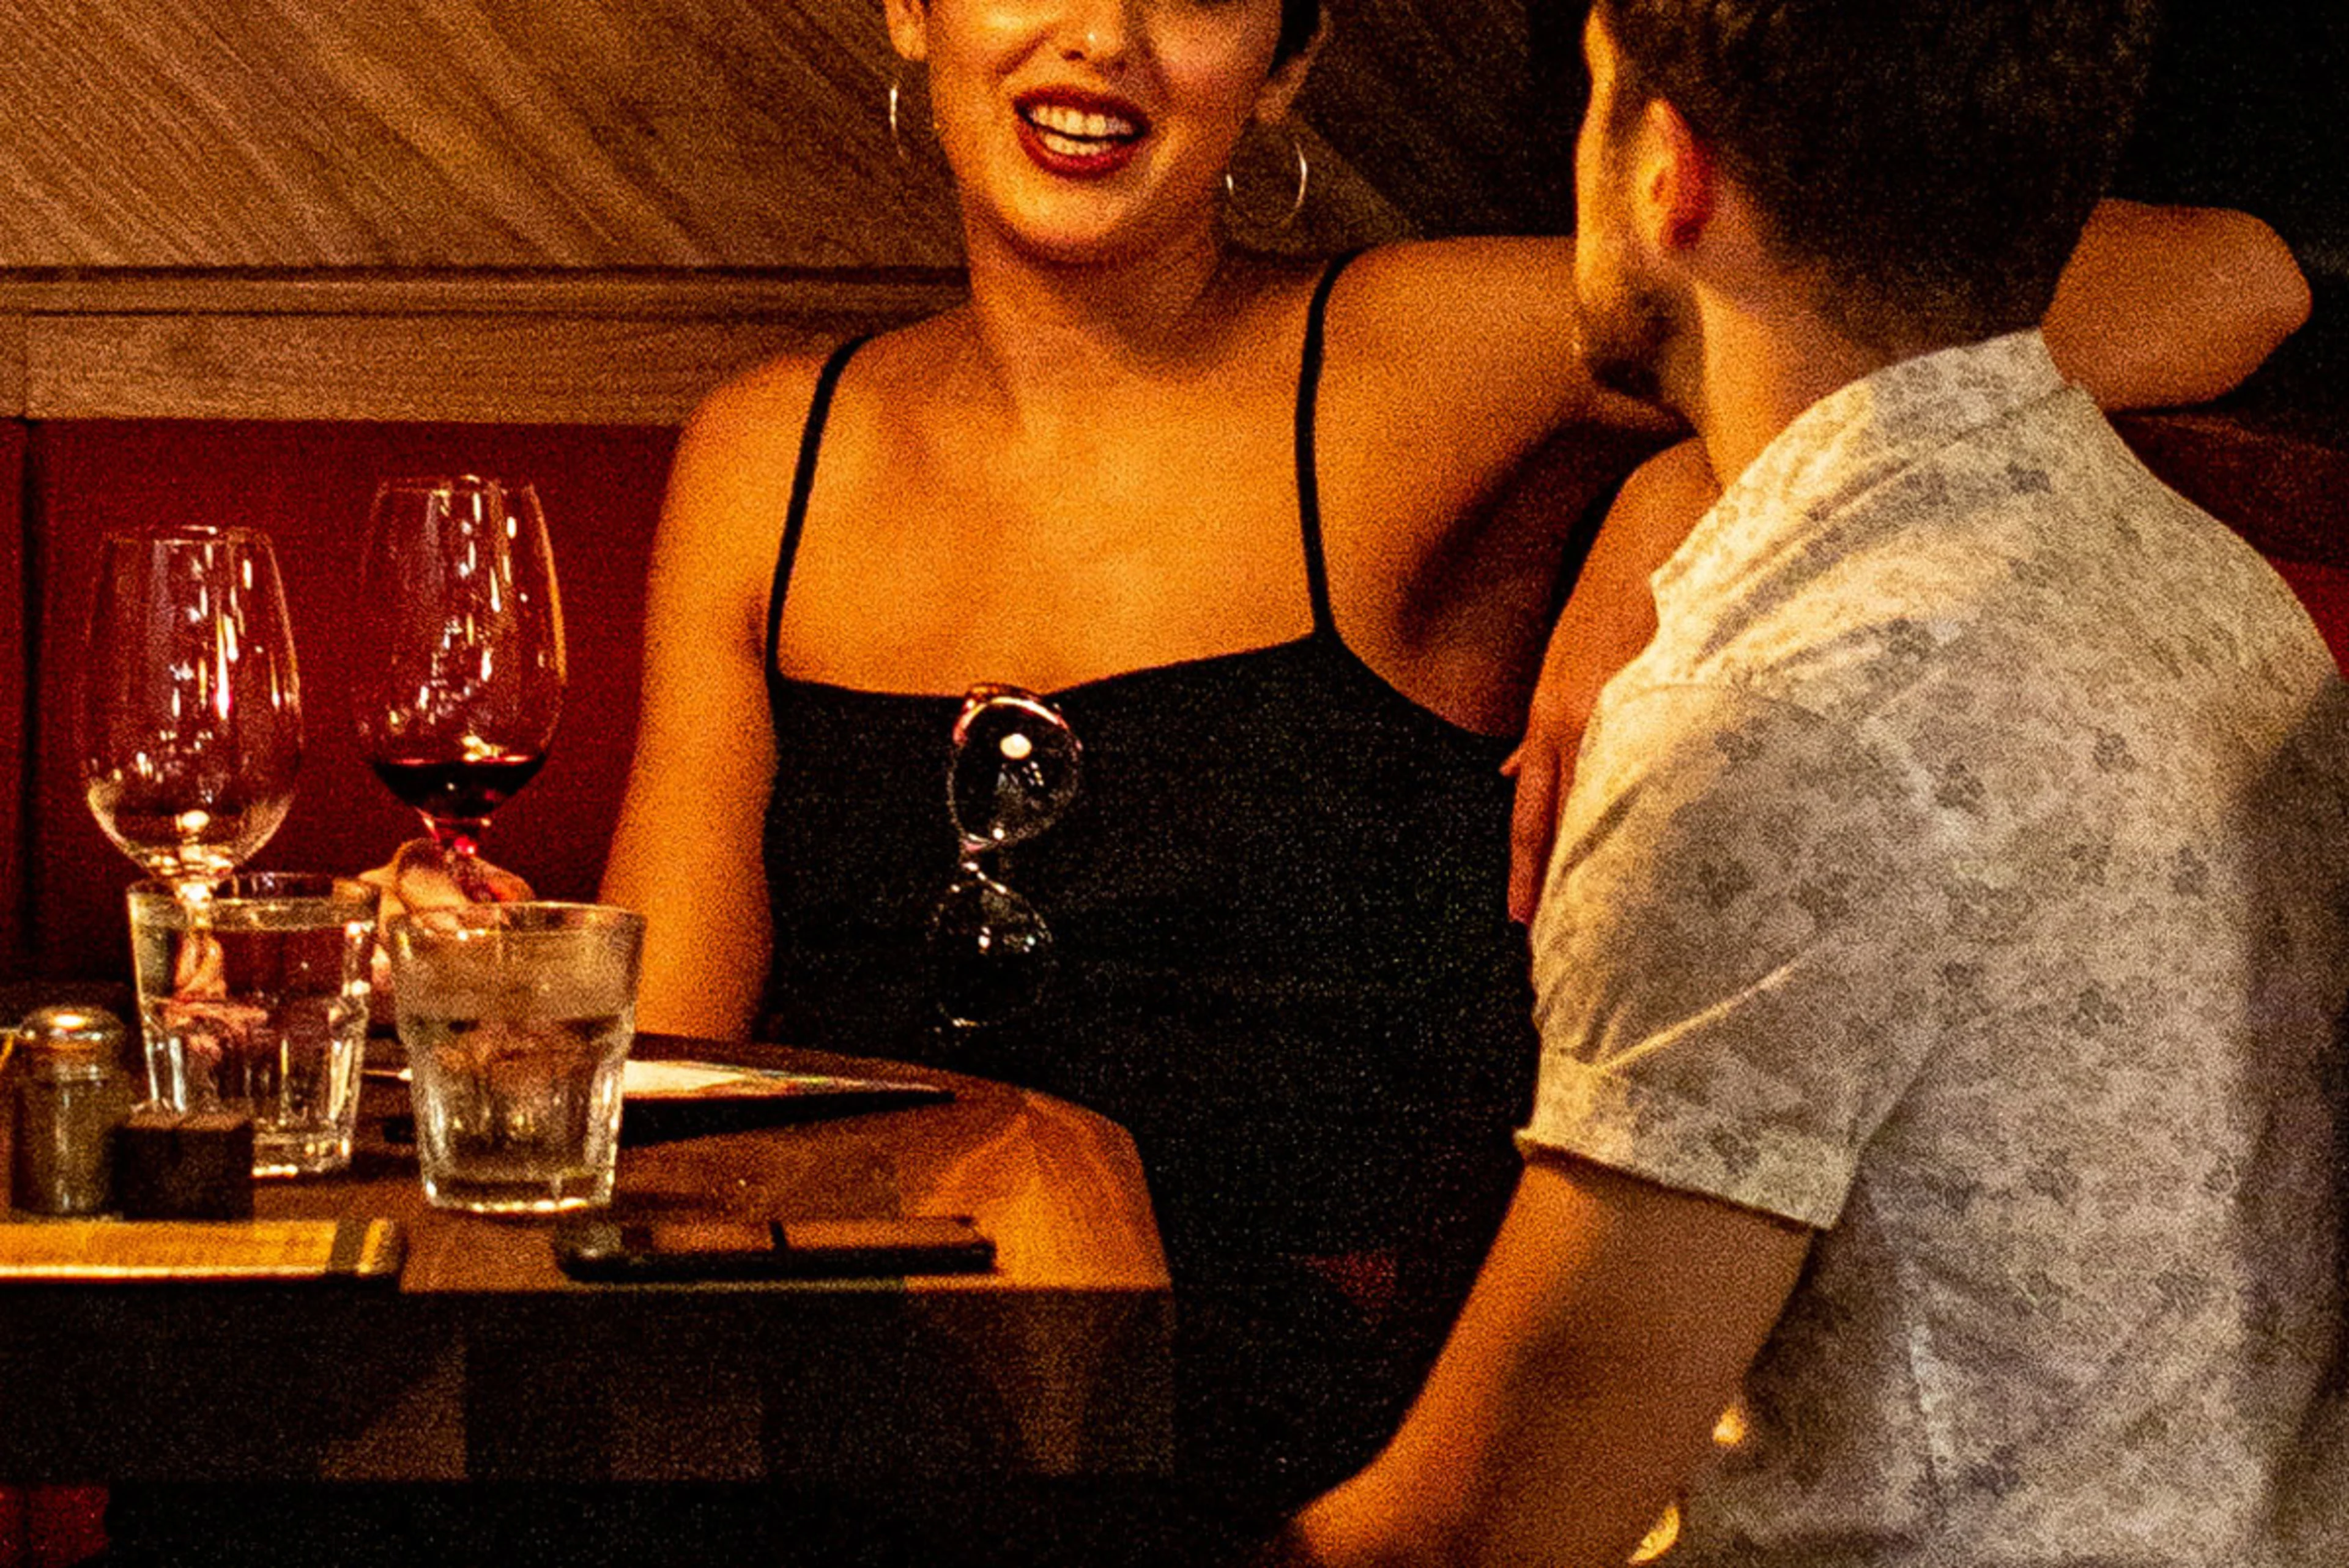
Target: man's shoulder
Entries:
(2035, 557)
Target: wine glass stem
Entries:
(460, 841)
(195, 895)
(195, 973)
(460, 837)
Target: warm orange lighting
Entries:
(1661, 1537)
(1730, 1430)
(1727, 1433)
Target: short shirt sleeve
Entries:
(1732, 939)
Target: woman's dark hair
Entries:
(1935, 159)
(1297, 20)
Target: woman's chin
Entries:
(1093, 237)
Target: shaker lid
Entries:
(68, 1041)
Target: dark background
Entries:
(2248, 107)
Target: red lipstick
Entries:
(1078, 133)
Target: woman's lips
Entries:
(1078, 134)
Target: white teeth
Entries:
(1076, 122)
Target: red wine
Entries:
(464, 790)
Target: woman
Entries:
(1240, 514)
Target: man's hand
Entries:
(1606, 623)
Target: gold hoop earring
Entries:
(1296, 201)
(896, 137)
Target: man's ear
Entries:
(1679, 183)
(1281, 87)
(909, 28)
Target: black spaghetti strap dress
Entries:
(1284, 963)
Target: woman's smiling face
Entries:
(1090, 129)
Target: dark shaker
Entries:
(67, 1093)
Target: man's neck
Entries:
(1757, 367)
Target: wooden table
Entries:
(486, 1362)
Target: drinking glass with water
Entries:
(256, 1001)
(517, 1019)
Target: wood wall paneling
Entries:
(385, 368)
(715, 174)
(578, 133)
(610, 133)
(1427, 102)
(566, 349)
(13, 325)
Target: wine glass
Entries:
(191, 719)
(460, 631)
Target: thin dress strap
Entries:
(1308, 479)
(803, 486)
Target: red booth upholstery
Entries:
(20, 591)
(2288, 497)
(309, 486)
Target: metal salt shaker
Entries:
(69, 1095)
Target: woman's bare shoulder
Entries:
(1489, 319)
(758, 408)
(730, 484)
(740, 446)
(763, 410)
(1471, 284)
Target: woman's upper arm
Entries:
(2165, 306)
(686, 852)
(1485, 330)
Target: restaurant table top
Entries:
(485, 1362)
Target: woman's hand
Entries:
(423, 876)
(1606, 623)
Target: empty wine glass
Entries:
(191, 719)
(460, 631)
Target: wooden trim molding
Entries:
(454, 292)
(12, 362)
(629, 348)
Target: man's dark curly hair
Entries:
(1933, 159)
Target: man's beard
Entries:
(1624, 327)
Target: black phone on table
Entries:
(720, 1249)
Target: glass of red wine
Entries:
(461, 638)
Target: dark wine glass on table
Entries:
(459, 632)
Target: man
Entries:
(1940, 962)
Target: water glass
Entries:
(256, 1000)
(517, 1020)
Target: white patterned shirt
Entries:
(1959, 873)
